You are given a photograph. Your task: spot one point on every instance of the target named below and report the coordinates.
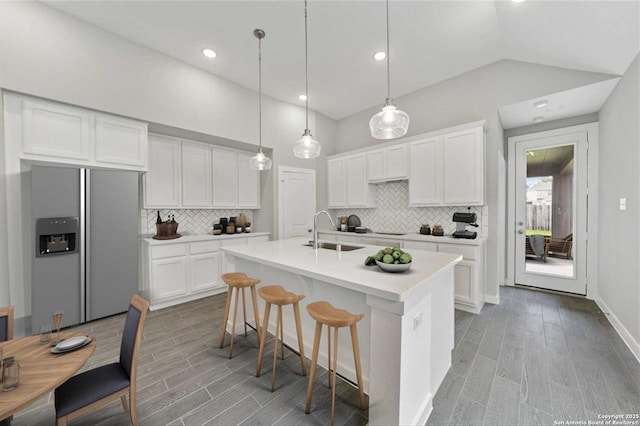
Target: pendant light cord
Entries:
(388, 58)
(260, 92)
(306, 70)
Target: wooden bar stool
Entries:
(325, 313)
(239, 281)
(276, 295)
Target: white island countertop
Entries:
(346, 268)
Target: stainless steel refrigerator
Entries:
(86, 243)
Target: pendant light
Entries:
(389, 123)
(306, 147)
(260, 161)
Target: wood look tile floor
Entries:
(533, 359)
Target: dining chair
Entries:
(94, 388)
(6, 323)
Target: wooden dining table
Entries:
(40, 370)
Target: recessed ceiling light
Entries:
(209, 53)
(302, 97)
(540, 104)
(378, 56)
(538, 119)
(518, 1)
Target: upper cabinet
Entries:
(53, 130)
(447, 169)
(463, 167)
(121, 141)
(387, 164)
(347, 183)
(425, 160)
(196, 175)
(248, 182)
(444, 168)
(63, 134)
(162, 181)
(187, 174)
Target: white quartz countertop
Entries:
(446, 239)
(346, 268)
(204, 237)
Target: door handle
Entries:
(309, 230)
(520, 223)
(520, 231)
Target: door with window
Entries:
(551, 211)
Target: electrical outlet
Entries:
(417, 321)
(623, 203)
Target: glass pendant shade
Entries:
(306, 147)
(260, 161)
(390, 123)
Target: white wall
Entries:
(473, 96)
(619, 231)
(51, 55)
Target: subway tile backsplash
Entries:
(393, 213)
(190, 221)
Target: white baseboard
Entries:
(492, 299)
(627, 338)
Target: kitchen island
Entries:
(406, 336)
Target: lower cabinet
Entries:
(179, 272)
(469, 274)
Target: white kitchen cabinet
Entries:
(447, 169)
(56, 130)
(225, 178)
(463, 167)
(188, 268)
(425, 162)
(121, 141)
(387, 164)
(347, 183)
(162, 181)
(187, 174)
(64, 134)
(196, 175)
(248, 183)
(336, 186)
(169, 277)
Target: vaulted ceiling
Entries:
(430, 40)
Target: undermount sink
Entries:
(333, 246)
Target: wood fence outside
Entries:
(539, 217)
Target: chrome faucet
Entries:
(315, 226)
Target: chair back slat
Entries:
(129, 339)
(6, 323)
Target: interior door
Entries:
(298, 201)
(551, 212)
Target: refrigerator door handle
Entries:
(84, 247)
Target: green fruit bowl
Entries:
(394, 267)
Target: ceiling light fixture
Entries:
(306, 147)
(209, 53)
(389, 123)
(518, 1)
(260, 161)
(302, 97)
(538, 119)
(540, 104)
(378, 56)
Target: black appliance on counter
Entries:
(462, 220)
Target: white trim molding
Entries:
(627, 337)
